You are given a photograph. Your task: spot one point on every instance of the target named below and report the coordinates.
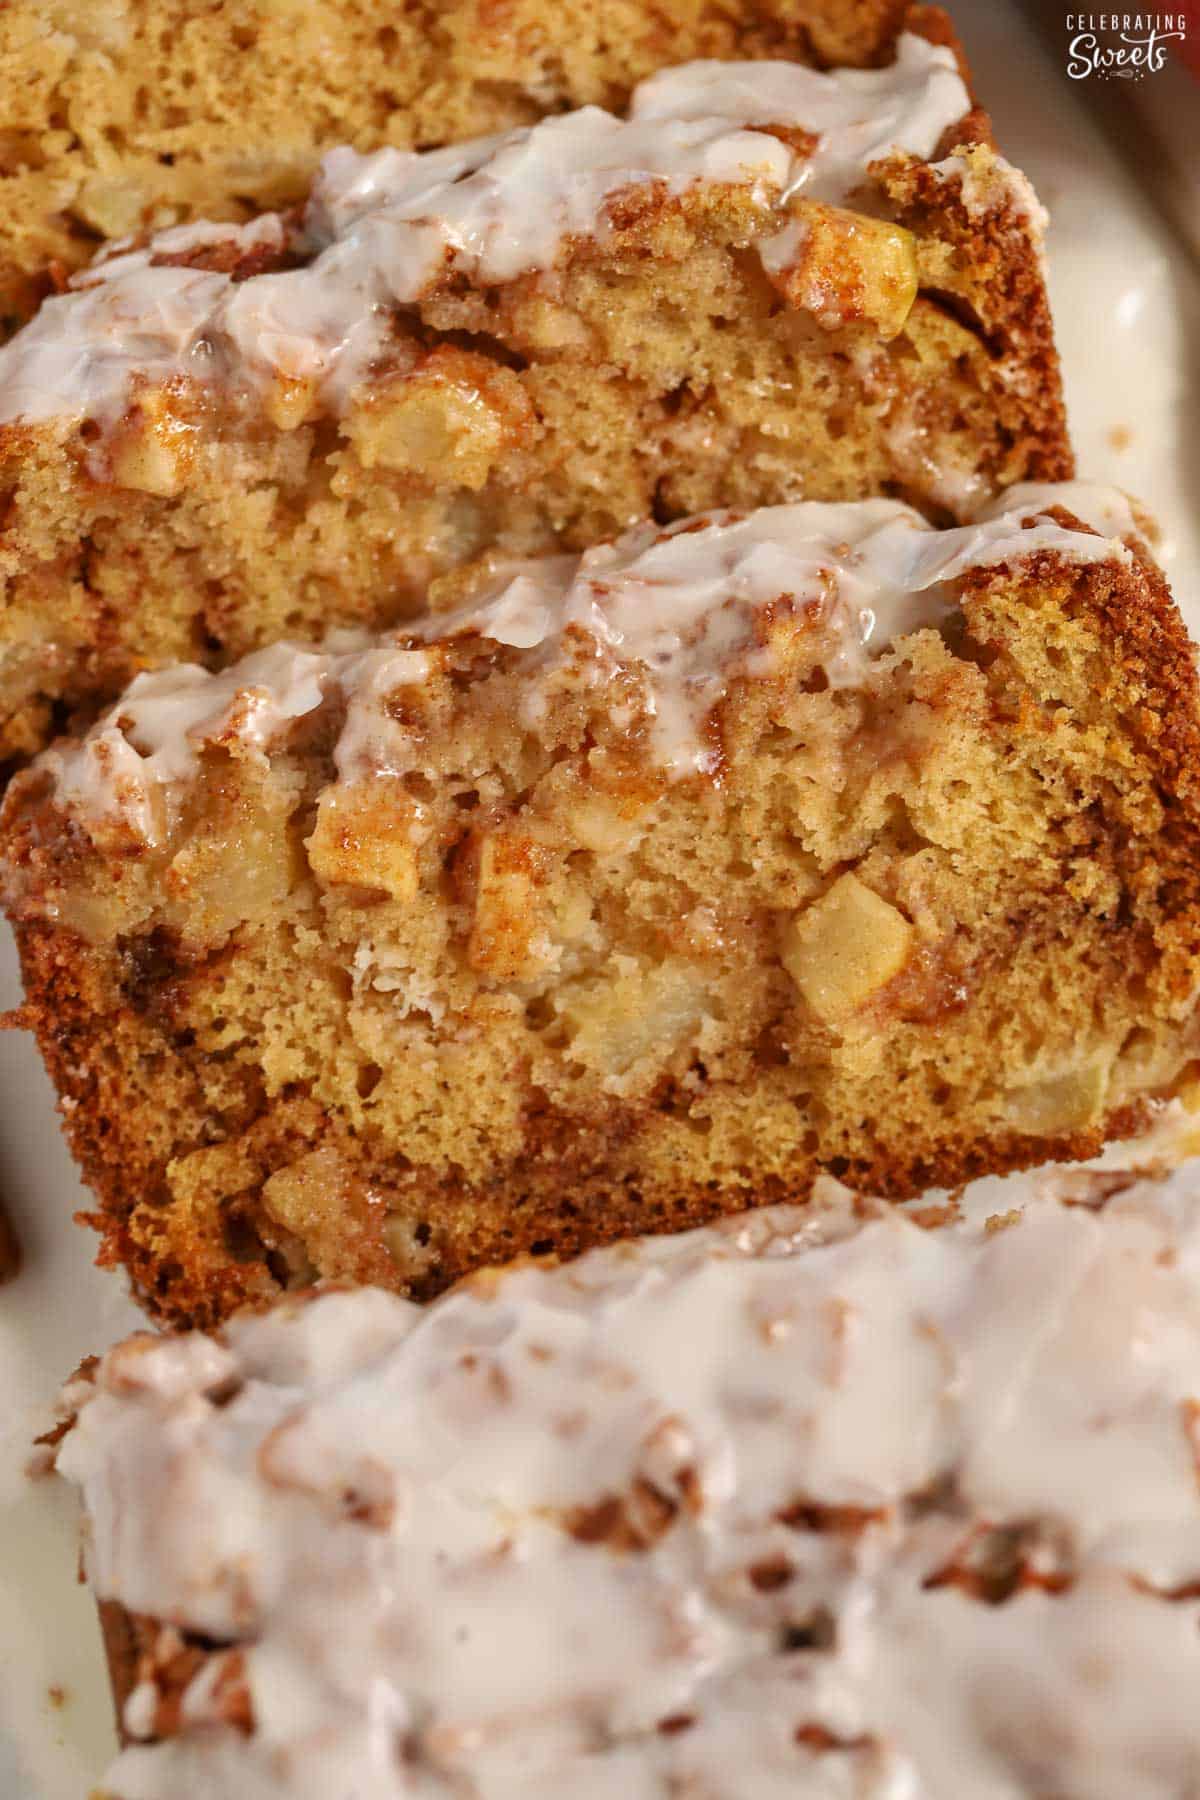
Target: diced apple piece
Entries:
(845, 947)
(364, 838)
(842, 266)
(289, 400)
(326, 1206)
(548, 326)
(430, 429)
(572, 916)
(448, 419)
(404, 1245)
(236, 868)
(152, 450)
(603, 826)
(1068, 1101)
(619, 1020)
(113, 206)
(509, 940)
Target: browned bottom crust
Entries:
(194, 1234)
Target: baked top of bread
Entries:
(381, 230)
(816, 1503)
(667, 620)
(627, 890)
(147, 113)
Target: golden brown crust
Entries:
(1148, 653)
(1007, 307)
(249, 1113)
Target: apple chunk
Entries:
(842, 267)
(845, 947)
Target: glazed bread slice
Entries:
(144, 113)
(765, 283)
(816, 1504)
(637, 889)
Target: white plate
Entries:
(1128, 317)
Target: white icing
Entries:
(380, 1519)
(858, 117)
(1106, 509)
(683, 602)
(381, 228)
(686, 605)
(371, 741)
(148, 742)
(265, 232)
(140, 1708)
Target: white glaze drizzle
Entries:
(1108, 510)
(381, 1518)
(684, 604)
(858, 118)
(683, 601)
(381, 228)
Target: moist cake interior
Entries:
(635, 890)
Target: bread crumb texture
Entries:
(522, 987)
